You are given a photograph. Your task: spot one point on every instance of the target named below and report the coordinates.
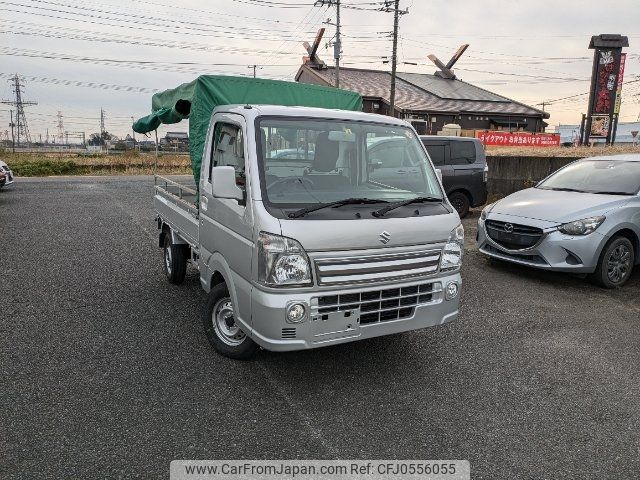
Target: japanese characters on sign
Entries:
(616, 108)
(518, 139)
(606, 88)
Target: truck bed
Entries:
(177, 205)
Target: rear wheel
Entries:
(224, 334)
(615, 264)
(175, 260)
(460, 202)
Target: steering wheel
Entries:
(287, 180)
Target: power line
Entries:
(76, 83)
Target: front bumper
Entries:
(555, 251)
(346, 323)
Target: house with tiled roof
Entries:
(430, 101)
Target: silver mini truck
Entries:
(311, 248)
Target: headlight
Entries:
(282, 261)
(452, 252)
(582, 227)
(485, 211)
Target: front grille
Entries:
(377, 305)
(512, 235)
(381, 267)
(537, 259)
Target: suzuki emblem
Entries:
(385, 237)
(508, 227)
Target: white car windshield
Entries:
(306, 162)
(614, 177)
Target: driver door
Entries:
(226, 224)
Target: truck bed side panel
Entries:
(179, 218)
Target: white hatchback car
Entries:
(5, 172)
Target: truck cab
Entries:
(315, 247)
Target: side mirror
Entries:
(439, 174)
(223, 180)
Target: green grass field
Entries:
(48, 164)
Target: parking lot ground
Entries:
(106, 373)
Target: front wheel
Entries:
(615, 264)
(224, 334)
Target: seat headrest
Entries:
(326, 153)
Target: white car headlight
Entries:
(582, 227)
(282, 261)
(452, 251)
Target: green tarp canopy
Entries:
(196, 100)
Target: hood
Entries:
(555, 206)
(325, 235)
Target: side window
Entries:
(462, 152)
(437, 154)
(228, 150)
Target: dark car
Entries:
(464, 169)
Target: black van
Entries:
(464, 169)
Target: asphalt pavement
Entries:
(105, 370)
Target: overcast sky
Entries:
(531, 51)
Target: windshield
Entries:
(307, 162)
(597, 176)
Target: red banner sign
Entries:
(518, 139)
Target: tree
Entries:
(95, 139)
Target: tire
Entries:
(224, 335)
(175, 261)
(460, 202)
(615, 263)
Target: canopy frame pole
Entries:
(155, 167)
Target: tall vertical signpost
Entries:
(606, 86)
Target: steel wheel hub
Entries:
(224, 323)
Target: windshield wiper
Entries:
(393, 206)
(347, 201)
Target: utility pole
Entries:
(543, 104)
(254, 69)
(13, 139)
(337, 47)
(394, 53)
(21, 121)
(60, 127)
(101, 126)
(133, 133)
